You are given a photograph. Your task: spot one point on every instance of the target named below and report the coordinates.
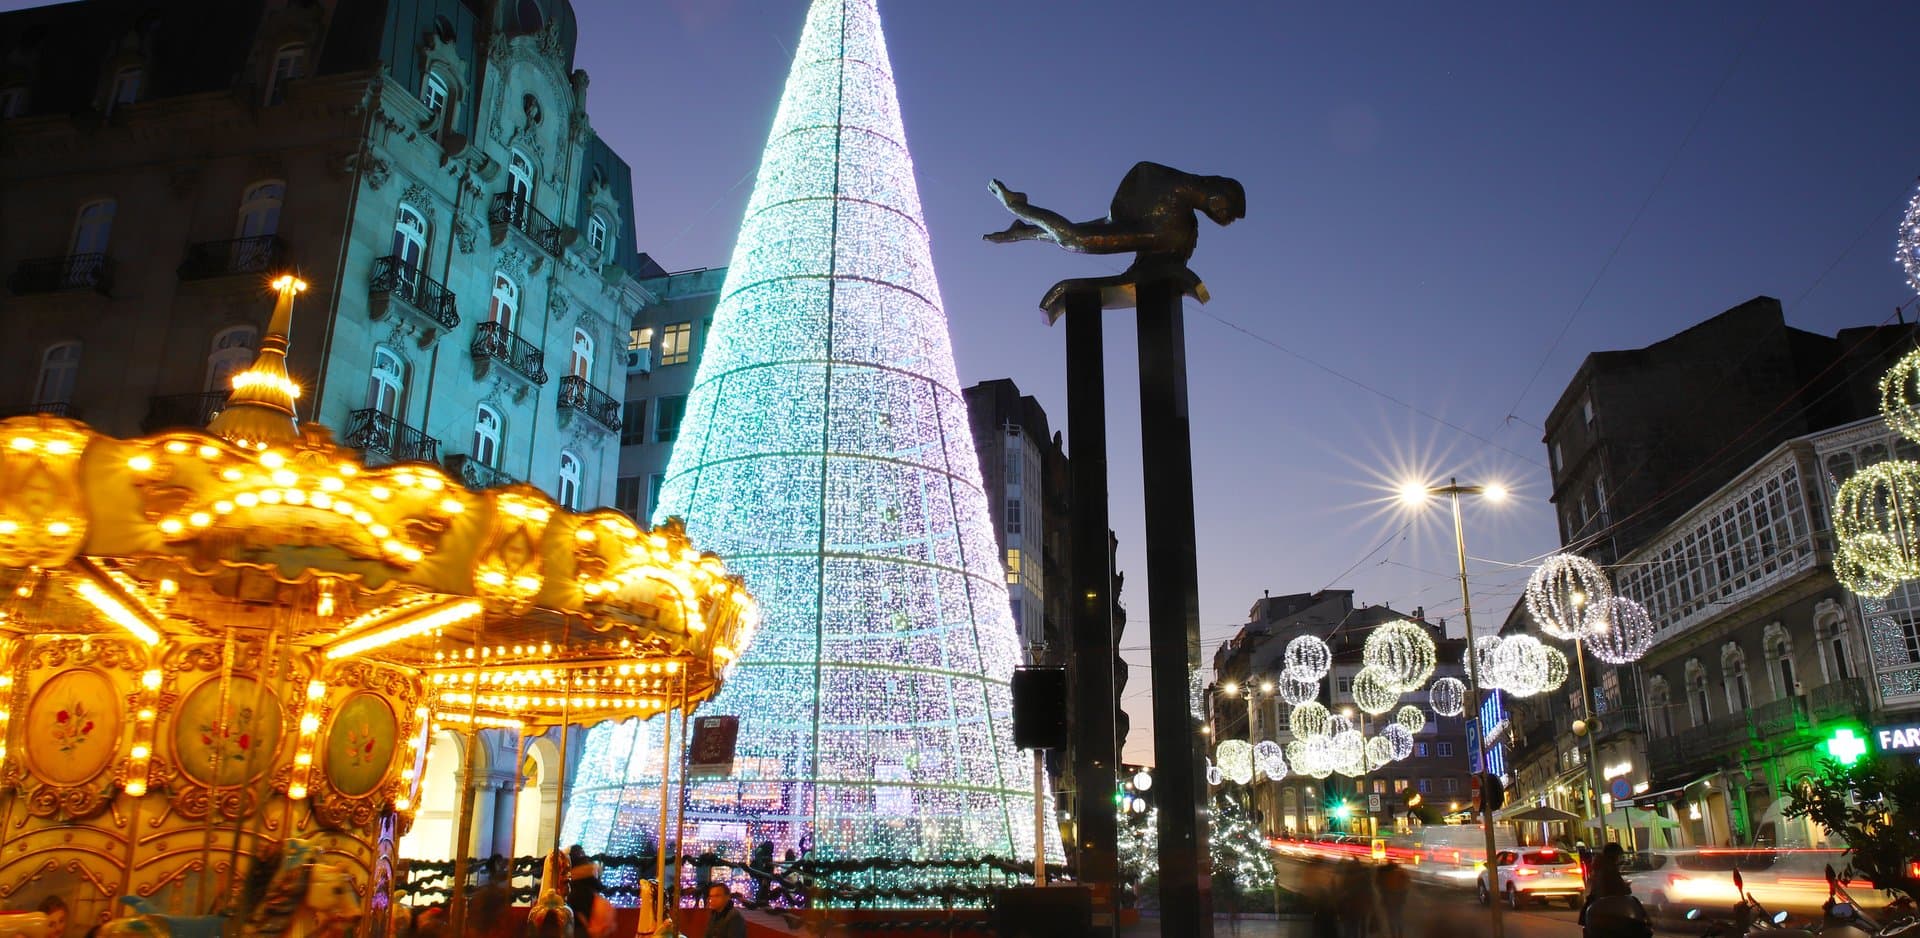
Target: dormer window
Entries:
(289, 63)
(126, 87)
(433, 94)
(597, 234)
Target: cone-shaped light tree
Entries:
(825, 453)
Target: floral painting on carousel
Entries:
(360, 745)
(73, 727)
(243, 748)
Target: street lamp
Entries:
(1416, 494)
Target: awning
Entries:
(1636, 817)
(1542, 814)
(1651, 798)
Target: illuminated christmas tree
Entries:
(826, 454)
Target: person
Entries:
(1356, 898)
(1393, 883)
(1611, 911)
(762, 866)
(593, 915)
(55, 909)
(726, 921)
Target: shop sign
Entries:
(1902, 738)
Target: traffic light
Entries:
(1340, 811)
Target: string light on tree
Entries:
(1374, 690)
(1563, 591)
(1308, 656)
(1404, 654)
(1619, 631)
(1448, 697)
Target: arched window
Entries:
(597, 233)
(289, 64)
(59, 367)
(92, 227)
(1697, 692)
(569, 492)
(486, 437)
(125, 88)
(1836, 653)
(260, 209)
(409, 244)
(582, 362)
(504, 308)
(232, 352)
(387, 382)
(1660, 704)
(1840, 466)
(1733, 669)
(433, 93)
(520, 180)
(1780, 671)
(527, 16)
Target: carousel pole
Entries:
(462, 848)
(216, 760)
(680, 824)
(566, 724)
(660, 850)
(13, 704)
(272, 669)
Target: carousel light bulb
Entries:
(139, 752)
(296, 792)
(140, 463)
(136, 787)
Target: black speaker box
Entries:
(1053, 912)
(1040, 708)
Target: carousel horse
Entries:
(305, 898)
(26, 925)
(550, 916)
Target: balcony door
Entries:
(92, 228)
(520, 183)
(232, 352)
(409, 248)
(257, 223)
(59, 367)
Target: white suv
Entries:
(1535, 873)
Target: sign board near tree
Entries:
(711, 754)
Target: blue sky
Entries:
(1434, 193)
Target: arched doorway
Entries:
(437, 822)
(537, 806)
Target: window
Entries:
(1426, 788)
(1445, 749)
(59, 366)
(520, 180)
(597, 234)
(1343, 685)
(504, 307)
(92, 227)
(568, 494)
(260, 209)
(1840, 467)
(289, 64)
(626, 496)
(13, 102)
(1420, 750)
(1909, 641)
(1013, 566)
(1013, 516)
(409, 244)
(126, 87)
(676, 344)
(654, 482)
(1660, 704)
(666, 419)
(526, 15)
(1733, 665)
(1557, 461)
(582, 362)
(486, 437)
(633, 423)
(1697, 692)
(640, 337)
(433, 93)
(1452, 786)
(1779, 648)
(387, 382)
(232, 352)
(1399, 785)
(1586, 409)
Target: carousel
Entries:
(226, 653)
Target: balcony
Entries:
(1782, 717)
(424, 300)
(511, 211)
(375, 432)
(477, 475)
(62, 274)
(578, 396)
(1840, 700)
(494, 342)
(266, 254)
(1698, 748)
(182, 411)
(46, 408)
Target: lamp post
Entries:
(1417, 493)
(1588, 726)
(1361, 794)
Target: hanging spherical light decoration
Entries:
(1235, 758)
(1308, 719)
(1483, 649)
(1337, 723)
(1448, 697)
(1519, 666)
(1379, 751)
(1296, 751)
(1270, 760)
(1308, 656)
(1876, 519)
(1900, 395)
(1620, 631)
(1316, 757)
(1908, 252)
(1411, 718)
(1563, 591)
(1854, 575)
(1348, 747)
(1214, 776)
(1296, 689)
(1401, 740)
(1374, 690)
(1404, 652)
(1556, 668)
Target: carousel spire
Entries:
(259, 411)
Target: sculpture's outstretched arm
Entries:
(1101, 236)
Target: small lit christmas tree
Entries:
(1242, 861)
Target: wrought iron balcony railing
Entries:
(49, 408)
(493, 340)
(576, 394)
(71, 272)
(374, 431)
(394, 278)
(261, 255)
(176, 411)
(475, 474)
(1842, 699)
(511, 210)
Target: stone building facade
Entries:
(428, 168)
(664, 344)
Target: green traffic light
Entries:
(1340, 810)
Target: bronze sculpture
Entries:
(1152, 215)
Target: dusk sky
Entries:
(1434, 193)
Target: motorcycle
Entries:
(1841, 918)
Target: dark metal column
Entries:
(1090, 667)
(1173, 612)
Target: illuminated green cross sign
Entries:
(1844, 747)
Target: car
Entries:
(1672, 881)
(1451, 854)
(1544, 873)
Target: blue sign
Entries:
(1494, 717)
(1621, 789)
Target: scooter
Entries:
(1842, 918)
